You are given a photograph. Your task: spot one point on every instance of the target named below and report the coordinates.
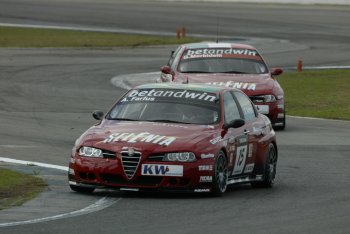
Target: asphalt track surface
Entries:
(47, 95)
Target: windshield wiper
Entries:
(125, 119)
(234, 72)
(195, 72)
(166, 121)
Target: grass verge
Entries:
(31, 37)
(17, 188)
(317, 93)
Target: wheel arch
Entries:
(263, 148)
(275, 146)
(223, 149)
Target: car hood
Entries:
(251, 84)
(146, 136)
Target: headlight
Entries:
(269, 98)
(90, 152)
(180, 157)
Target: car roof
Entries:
(199, 45)
(193, 86)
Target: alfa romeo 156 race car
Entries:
(231, 65)
(176, 137)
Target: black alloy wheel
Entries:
(221, 175)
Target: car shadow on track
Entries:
(240, 189)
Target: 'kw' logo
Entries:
(155, 169)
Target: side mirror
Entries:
(98, 115)
(276, 71)
(165, 70)
(237, 123)
(165, 75)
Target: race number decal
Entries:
(241, 154)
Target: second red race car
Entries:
(176, 137)
(231, 65)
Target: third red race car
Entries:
(231, 65)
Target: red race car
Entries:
(230, 65)
(176, 137)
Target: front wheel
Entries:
(269, 169)
(221, 174)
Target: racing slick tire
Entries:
(80, 189)
(220, 175)
(269, 170)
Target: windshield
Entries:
(235, 61)
(167, 105)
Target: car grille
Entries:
(130, 162)
(108, 154)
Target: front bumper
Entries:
(274, 110)
(109, 173)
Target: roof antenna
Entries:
(188, 65)
(217, 31)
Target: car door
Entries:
(251, 137)
(235, 139)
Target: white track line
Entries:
(18, 146)
(29, 163)
(314, 118)
(97, 206)
(108, 30)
